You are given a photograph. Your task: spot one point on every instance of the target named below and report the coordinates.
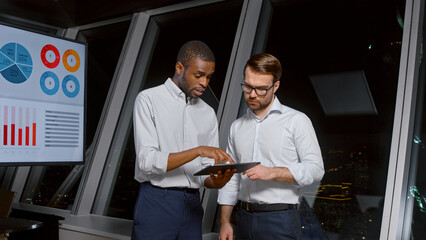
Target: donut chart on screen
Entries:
(70, 86)
(16, 64)
(50, 56)
(71, 60)
(49, 83)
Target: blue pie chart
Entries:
(16, 64)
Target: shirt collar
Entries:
(174, 90)
(275, 107)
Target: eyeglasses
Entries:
(259, 91)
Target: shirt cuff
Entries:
(227, 197)
(160, 163)
(301, 175)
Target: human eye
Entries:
(247, 87)
(261, 91)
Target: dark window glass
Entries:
(56, 186)
(416, 194)
(340, 42)
(104, 49)
(215, 25)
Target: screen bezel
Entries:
(82, 161)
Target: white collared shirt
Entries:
(284, 138)
(164, 122)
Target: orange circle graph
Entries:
(68, 63)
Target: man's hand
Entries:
(226, 232)
(217, 154)
(280, 174)
(219, 180)
(259, 172)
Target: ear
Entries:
(277, 85)
(179, 68)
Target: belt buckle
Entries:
(246, 206)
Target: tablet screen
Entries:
(241, 167)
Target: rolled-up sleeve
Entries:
(310, 167)
(149, 159)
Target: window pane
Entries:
(203, 24)
(416, 195)
(56, 186)
(104, 49)
(330, 52)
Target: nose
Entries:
(252, 93)
(204, 81)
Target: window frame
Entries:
(402, 133)
(394, 208)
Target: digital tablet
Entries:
(241, 167)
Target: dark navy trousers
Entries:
(277, 225)
(163, 214)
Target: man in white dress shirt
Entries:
(283, 140)
(176, 134)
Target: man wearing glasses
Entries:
(283, 140)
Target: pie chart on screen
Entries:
(16, 64)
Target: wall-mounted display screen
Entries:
(42, 98)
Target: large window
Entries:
(336, 55)
(345, 66)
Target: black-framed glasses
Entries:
(259, 91)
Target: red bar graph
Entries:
(5, 125)
(20, 137)
(20, 127)
(12, 134)
(16, 132)
(34, 127)
(27, 127)
(12, 128)
(5, 135)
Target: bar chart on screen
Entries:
(19, 126)
(33, 130)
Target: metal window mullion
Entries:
(92, 175)
(415, 150)
(404, 158)
(20, 178)
(6, 176)
(241, 52)
(399, 163)
(70, 180)
(396, 133)
(231, 92)
(181, 6)
(109, 176)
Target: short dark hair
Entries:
(265, 63)
(192, 50)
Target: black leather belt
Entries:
(258, 207)
(186, 190)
